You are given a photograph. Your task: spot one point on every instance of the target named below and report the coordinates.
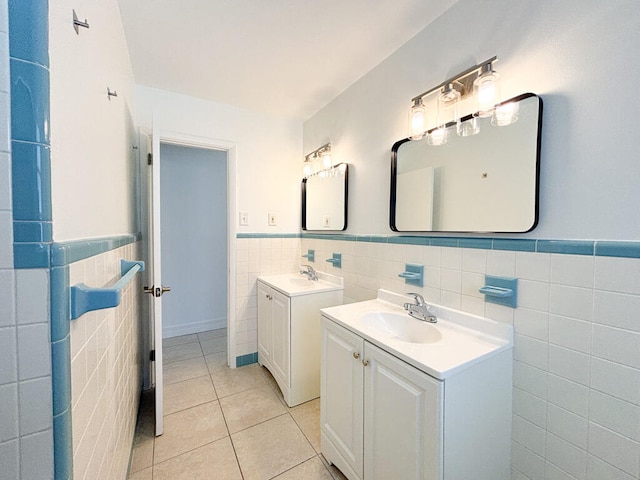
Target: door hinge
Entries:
(152, 355)
(150, 159)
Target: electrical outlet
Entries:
(244, 219)
(326, 221)
(272, 220)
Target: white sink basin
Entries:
(457, 341)
(293, 284)
(403, 327)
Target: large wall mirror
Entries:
(324, 199)
(486, 182)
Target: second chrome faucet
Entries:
(420, 309)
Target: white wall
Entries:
(193, 208)
(92, 160)
(579, 56)
(269, 154)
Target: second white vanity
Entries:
(405, 399)
(289, 330)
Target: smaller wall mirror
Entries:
(486, 182)
(324, 199)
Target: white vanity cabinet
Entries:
(289, 332)
(383, 418)
(380, 417)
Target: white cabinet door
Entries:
(280, 337)
(341, 402)
(402, 420)
(265, 329)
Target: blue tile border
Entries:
(601, 248)
(572, 247)
(247, 359)
(27, 231)
(618, 249)
(64, 253)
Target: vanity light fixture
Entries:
(480, 81)
(319, 161)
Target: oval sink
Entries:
(403, 327)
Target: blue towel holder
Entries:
(336, 260)
(310, 255)
(85, 299)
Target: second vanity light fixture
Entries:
(318, 162)
(480, 81)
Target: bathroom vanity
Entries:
(289, 330)
(401, 398)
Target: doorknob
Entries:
(156, 291)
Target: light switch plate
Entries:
(244, 219)
(272, 220)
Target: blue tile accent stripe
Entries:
(29, 30)
(64, 253)
(247, 359)
(618, 249)
(32, 231)
(574, 247)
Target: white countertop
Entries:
(465, 339)
(293, 284)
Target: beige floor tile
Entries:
(173, 341)
(312, 469)
(189, 429)
(220, 332)
(307, 416)
(271, 448)
(213, 345)
(184, 351)
(214, 460)
(187, 394)
(146, 474)
(246, 409)
(214, 360)
(184, 370)
(228, 381)
(142, 455)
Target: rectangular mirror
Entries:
(324, 199)
(482, 182)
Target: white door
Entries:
(402, 420)
(156, 290)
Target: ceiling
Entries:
(286, 58)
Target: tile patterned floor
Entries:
(225, 424)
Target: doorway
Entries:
(194, 217)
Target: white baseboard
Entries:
(193, 327)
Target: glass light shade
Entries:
(437, 136)
(307, 168)
(486, 90)
(505, 114)
(326, 160)
(417, 119)
(468, 127)
(448, 105)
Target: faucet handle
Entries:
(417, 297)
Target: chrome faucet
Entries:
(420, 309)
(310, 273)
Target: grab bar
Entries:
(85, 299)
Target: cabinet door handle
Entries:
(365, 362)
(356, 355)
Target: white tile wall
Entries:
(255, 257)
(577, 345)
(105, 371)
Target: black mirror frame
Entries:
(346, 202)
(394, 173)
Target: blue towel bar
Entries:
(85, 299)
(500, 290)
(413, 274)
(335, 260)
